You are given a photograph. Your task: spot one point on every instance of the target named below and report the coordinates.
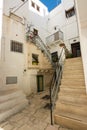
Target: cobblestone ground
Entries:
(34, 117)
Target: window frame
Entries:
(70, 12)
(35, 59)
(16, 46)
(32, 4)
(37, 8)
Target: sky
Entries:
(51, 4)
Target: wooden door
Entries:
(76, 49)
(40, 83)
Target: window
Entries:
(32, 4)
(70, 12)
(54, 56)
(16, 46)
(35, 32)
(38, 8)
(35, 59)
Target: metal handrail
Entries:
(52, 38)
(55, 83)
(38, 41)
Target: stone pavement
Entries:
(34, 117)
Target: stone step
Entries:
(73, 66)
(1, 82)
(9, 98)
(70, 76)
(7, 92)
(76, 109)
(18, 107)
(73, 86)
(51, 128)
(72, 99)
(70, 121)
(76, 99)
(11, 103)
(73, 90)
(73, 72)
(72, 95)
(10, 95)
(73, 79)
(70, 68)
(9, 87)
(74, 63)
(74, 59)
(76, 82)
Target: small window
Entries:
(70, 12)
(54, 56)
(32, 4)
(38, 8)
(35, 32)
(16, 46)
(35, 59)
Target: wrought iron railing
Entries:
(54, 37)
(55, 83)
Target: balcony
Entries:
(55, 38)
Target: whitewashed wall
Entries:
(43, 9)
(58, 19)
(29, 14)
(13, 63)
(82, 22)
(1, 11)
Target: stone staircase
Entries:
(71, 106)
(12, 100)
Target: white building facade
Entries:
(18, 17)
(82, 22)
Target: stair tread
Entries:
(74, 108)
(72, 116)
(73, 90)
(51, 128)
(73, 100)
(7, 113)
(72, 86)
(75, 58)
(7, 92)
(72, 95)
(17, 104)
(5, 100)
(71, 104)
(74, 79)
(70, 123)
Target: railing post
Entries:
(51, 108)
(55, 83)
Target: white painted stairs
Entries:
(71, 106)
(12, 100)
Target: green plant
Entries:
(69, 55)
